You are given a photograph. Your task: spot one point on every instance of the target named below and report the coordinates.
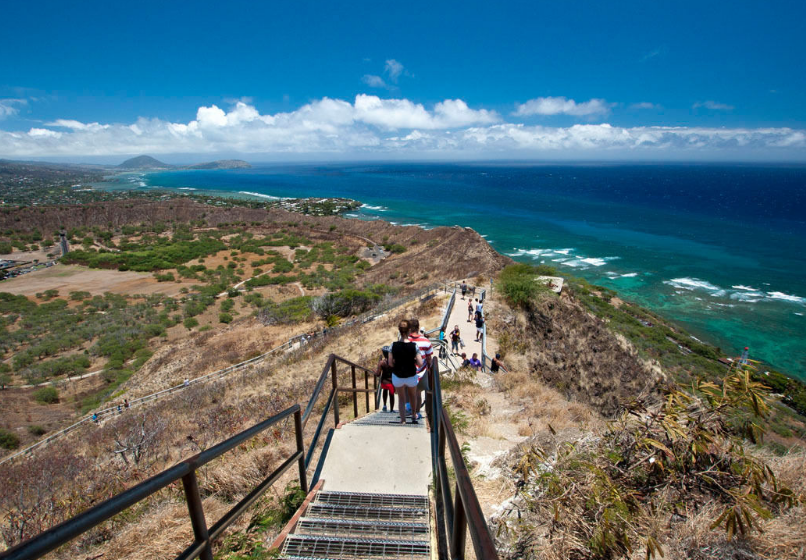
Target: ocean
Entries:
(719, 249)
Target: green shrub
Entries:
(394, 248)
(36, 430)
(9, 440)
(518, 283)
(46, 395)
(190, 323)
(224, 318)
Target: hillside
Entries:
(575, 363)
(143, 162)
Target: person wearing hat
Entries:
(496, 364)
(384, 371)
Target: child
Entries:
(385, 373)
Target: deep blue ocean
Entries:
(720, 249)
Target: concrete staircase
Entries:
(352, 525)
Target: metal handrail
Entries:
(461, 513)
(186, 472)
(331, 370)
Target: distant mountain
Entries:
(221, 164)
(143, 162)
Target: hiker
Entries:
(126, 403)
(384, 371)
(469, 310)
(496, 364)
(464, 289)
(456, 337)
(479, 328)
(427, 350)
(95, 417)
(405, 358)
(479, 308)
(465, 361)
(474, 362)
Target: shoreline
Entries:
(678, 299)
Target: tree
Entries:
(136, 438)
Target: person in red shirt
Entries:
(427, 350)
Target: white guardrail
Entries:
(300, 339)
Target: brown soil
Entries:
(74, 278)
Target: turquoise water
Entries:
(717, 248)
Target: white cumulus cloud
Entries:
(562, 106)
(397, 128)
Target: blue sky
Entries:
(673, 80)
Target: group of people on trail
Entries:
(403, 370)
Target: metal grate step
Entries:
(372, 500)
(387, 419)
(328, 511)
(353, 528)
(337, 548)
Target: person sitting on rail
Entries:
(496, 364)
(405, 358)
(384, 371)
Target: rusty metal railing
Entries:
(186, 472)
(460, 513)
(331, 370)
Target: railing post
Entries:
(335, 392)
(196, 511)
(366, 386)
(459, 533)
(355, 395)
(303, 477)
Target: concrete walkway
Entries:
(467, 328)
(376, 454)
